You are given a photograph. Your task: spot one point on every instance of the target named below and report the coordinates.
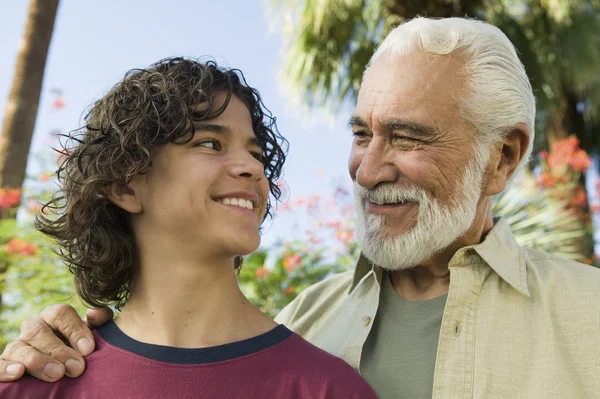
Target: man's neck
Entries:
(189, 305)
(431, 278)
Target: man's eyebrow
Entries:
(224, 130)
(357, 121)
(397, 124)
(413, 127)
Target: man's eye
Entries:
(212, 144)
(397, 137)
(360, 135)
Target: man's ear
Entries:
(506, 157)
(125, 197)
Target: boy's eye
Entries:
(212, 144)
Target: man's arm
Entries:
(40, 352)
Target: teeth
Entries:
(242, 203)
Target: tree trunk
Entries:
(21, 109)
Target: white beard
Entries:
(436, 229)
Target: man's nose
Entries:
(375, 167)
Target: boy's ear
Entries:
(125, 197)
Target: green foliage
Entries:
(329, 43)
(541, 221)
(32, 282)
(271, 278)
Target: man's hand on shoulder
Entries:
(42, 348)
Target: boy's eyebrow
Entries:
(224, 130)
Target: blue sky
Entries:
(95, 43)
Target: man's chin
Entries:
(389, 232)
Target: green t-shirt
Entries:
(398, 359)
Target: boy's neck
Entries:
(189, 306)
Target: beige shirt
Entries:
(518, 323)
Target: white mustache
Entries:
(390, 194)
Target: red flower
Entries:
(290, 262)
(289, 290)
(16, 246)
(9, 198)
(545, 180)
(543, 154)
(58, 103)
(44, 177)
(580, 198)
(344, 235)
(34, 206)
(262, 272)
(580, 161)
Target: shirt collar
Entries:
(499, 250)
(363, 267)
(505, 256)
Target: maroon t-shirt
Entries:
(277, 364)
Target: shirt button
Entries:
(366, 320)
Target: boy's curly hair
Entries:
(146, 110)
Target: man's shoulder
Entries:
(572, 283)
(315, 301)
(549, 267)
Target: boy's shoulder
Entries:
(321, 370)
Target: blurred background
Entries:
(306, 57)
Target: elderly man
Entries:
(443, 303)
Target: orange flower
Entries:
(580, 198)
(9, 198)
(298, 201)
(16, 246)
(58, 103)
(344, 235)
(566, 146)
(580, 161)
(334, 224)
(290, 262)
(543, 154)
(34, 206)
(545, 180)
(289, 290)
(44, 177)
(262, 272)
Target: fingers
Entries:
(64, 320)
(44, 348)
(97, 317)
(40, 366)
(10, 371)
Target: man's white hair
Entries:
(498, 95)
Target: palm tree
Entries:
(331, 41)
(21, 109)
